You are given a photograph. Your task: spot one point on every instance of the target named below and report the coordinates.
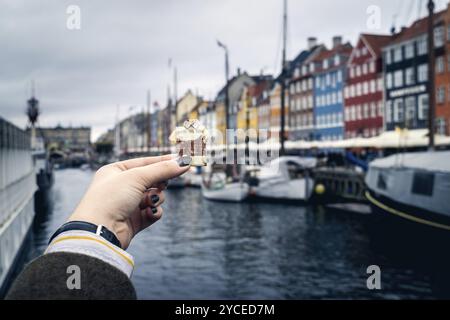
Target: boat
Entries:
(411, 189)
(17, 188)
(176, 183)
(286, 178)
(193, 178)
(216, 186)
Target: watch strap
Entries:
(90, 227)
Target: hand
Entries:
(122, 198)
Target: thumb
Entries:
(162, 171)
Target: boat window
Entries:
(295, 170)
(382, 181)
(423, 183)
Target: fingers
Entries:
(152, 198)
(158, 172)
(140, 162)
(151, 215)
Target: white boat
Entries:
(17, 188)
(285, 178)
(176, 183)
(193, 178)
(216, 187)
(413, 188)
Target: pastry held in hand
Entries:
(191, 139)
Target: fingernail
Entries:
(184, 161)
(154, 210)
(155, 198)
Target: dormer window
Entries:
(304, 70)
(312, 67)
(325, 64)
(337, 60)
(297, 72)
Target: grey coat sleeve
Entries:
(63, 275)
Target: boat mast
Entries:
(148, 119)
(431, 72)
(283, 82)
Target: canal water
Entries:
(206, 250)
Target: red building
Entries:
(363, 93)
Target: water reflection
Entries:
(209, 250)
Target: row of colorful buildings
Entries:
(333, 93)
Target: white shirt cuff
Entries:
(88, 243)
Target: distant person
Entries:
(86, 257)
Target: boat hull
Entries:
(297, 190)
(233, 192)
(413, 230)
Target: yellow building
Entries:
(247, 117)
(185, 106)
(221, 122)
(275, 110)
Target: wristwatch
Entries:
(90, 227)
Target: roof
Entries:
(430, 161)
(416, 29)
(345, 48)
(376, 42)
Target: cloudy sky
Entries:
(123, 47)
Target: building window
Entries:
(380, 84)
(373, 86)
(388, 111)
(337, 60)
(409, 50)
(352, 72)
(339, 76)
(440, 95)
(422, 46)
(398, 54)
(440, 124)
(398, 110)
(440, 65)
(448, 32)
(388, 57)
(380, 109)
(422, 73)
(373, 110)
(358, 71)
(365, 87)
(423, 107)
(410, 103)
(366, 111)
(439, 37)
(358, 112)
(398, 78)
(325, 64)
(409, 76)
(389, 81)
(372, 67)
(365, 68)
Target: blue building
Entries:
(329, 80)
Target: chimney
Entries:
(312, 42)
(337, 41)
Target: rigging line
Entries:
(397, 13)
(278, 48)
(409, 16)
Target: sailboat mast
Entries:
(283, 82)
(431, 72)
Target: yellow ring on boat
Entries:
(405, 215)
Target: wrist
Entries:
(96, 220)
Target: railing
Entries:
(17, 178)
